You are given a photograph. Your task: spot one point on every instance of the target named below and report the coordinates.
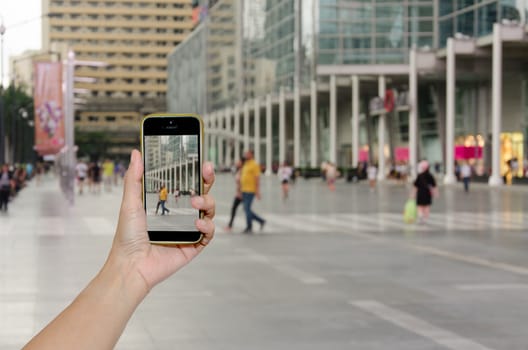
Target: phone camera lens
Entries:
(171, 122)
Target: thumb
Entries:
(132, 194)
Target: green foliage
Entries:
(16, 104)
(92, 144)
(14, 100)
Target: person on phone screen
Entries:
(163, 194)
(250, 188)
(99, 314)
(176, 195)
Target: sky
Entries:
(22, 19)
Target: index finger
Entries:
(208, 176)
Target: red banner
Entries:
(49, 112)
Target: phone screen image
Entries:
(172, 177)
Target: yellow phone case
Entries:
(165, 115)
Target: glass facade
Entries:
(372, 32)
(186, 75)
(278, 44)
(475, 18)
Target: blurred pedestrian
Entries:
(250, 187)
(108, 174)
(97, 177)
(323, 168)
(177, 194)
(29, 170)
(465, 174)
(424, 188)
(372, 173)
(331, 175)
(39, 172)
(285, 174)
(237, 200)
(82, 172)
(6, 184)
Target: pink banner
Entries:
(49, 113)
(363, 156)
(401, 154)
(463, 152)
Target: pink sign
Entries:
(463, 152)
(363, 156)
(401, 154)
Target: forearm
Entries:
(98, 316)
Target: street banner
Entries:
(49, 111)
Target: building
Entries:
(21, 67)
(385, 82)
(133, 38)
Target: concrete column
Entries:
(186, 175)
(413, 113)
(282, 126)
(496, 107)
(381, 131)
(180, 173)
(269, 148)
(313, 124)
(236, 117)
(194, 175)
(227, 131)
(175, 170)
(450, 113)
(333, 120)
(221, 153)
(206, 141)
(355, 121)
(297, 127)
(169, 179)
(257, 130)
(246, 126)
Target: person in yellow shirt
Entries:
(250, 187)
(163, 194)
(108, 174)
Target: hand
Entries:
(131, 246)
(257, 194)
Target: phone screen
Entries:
(172, 176)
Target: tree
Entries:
(18, 117)
(92, 144)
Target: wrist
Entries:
(124, 280)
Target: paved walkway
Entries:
(336, 270)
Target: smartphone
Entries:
(171, 145)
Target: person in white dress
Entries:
(285, 173)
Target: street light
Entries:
(69, 150)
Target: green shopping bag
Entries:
(410, 211)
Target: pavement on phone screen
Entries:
(334, 270)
